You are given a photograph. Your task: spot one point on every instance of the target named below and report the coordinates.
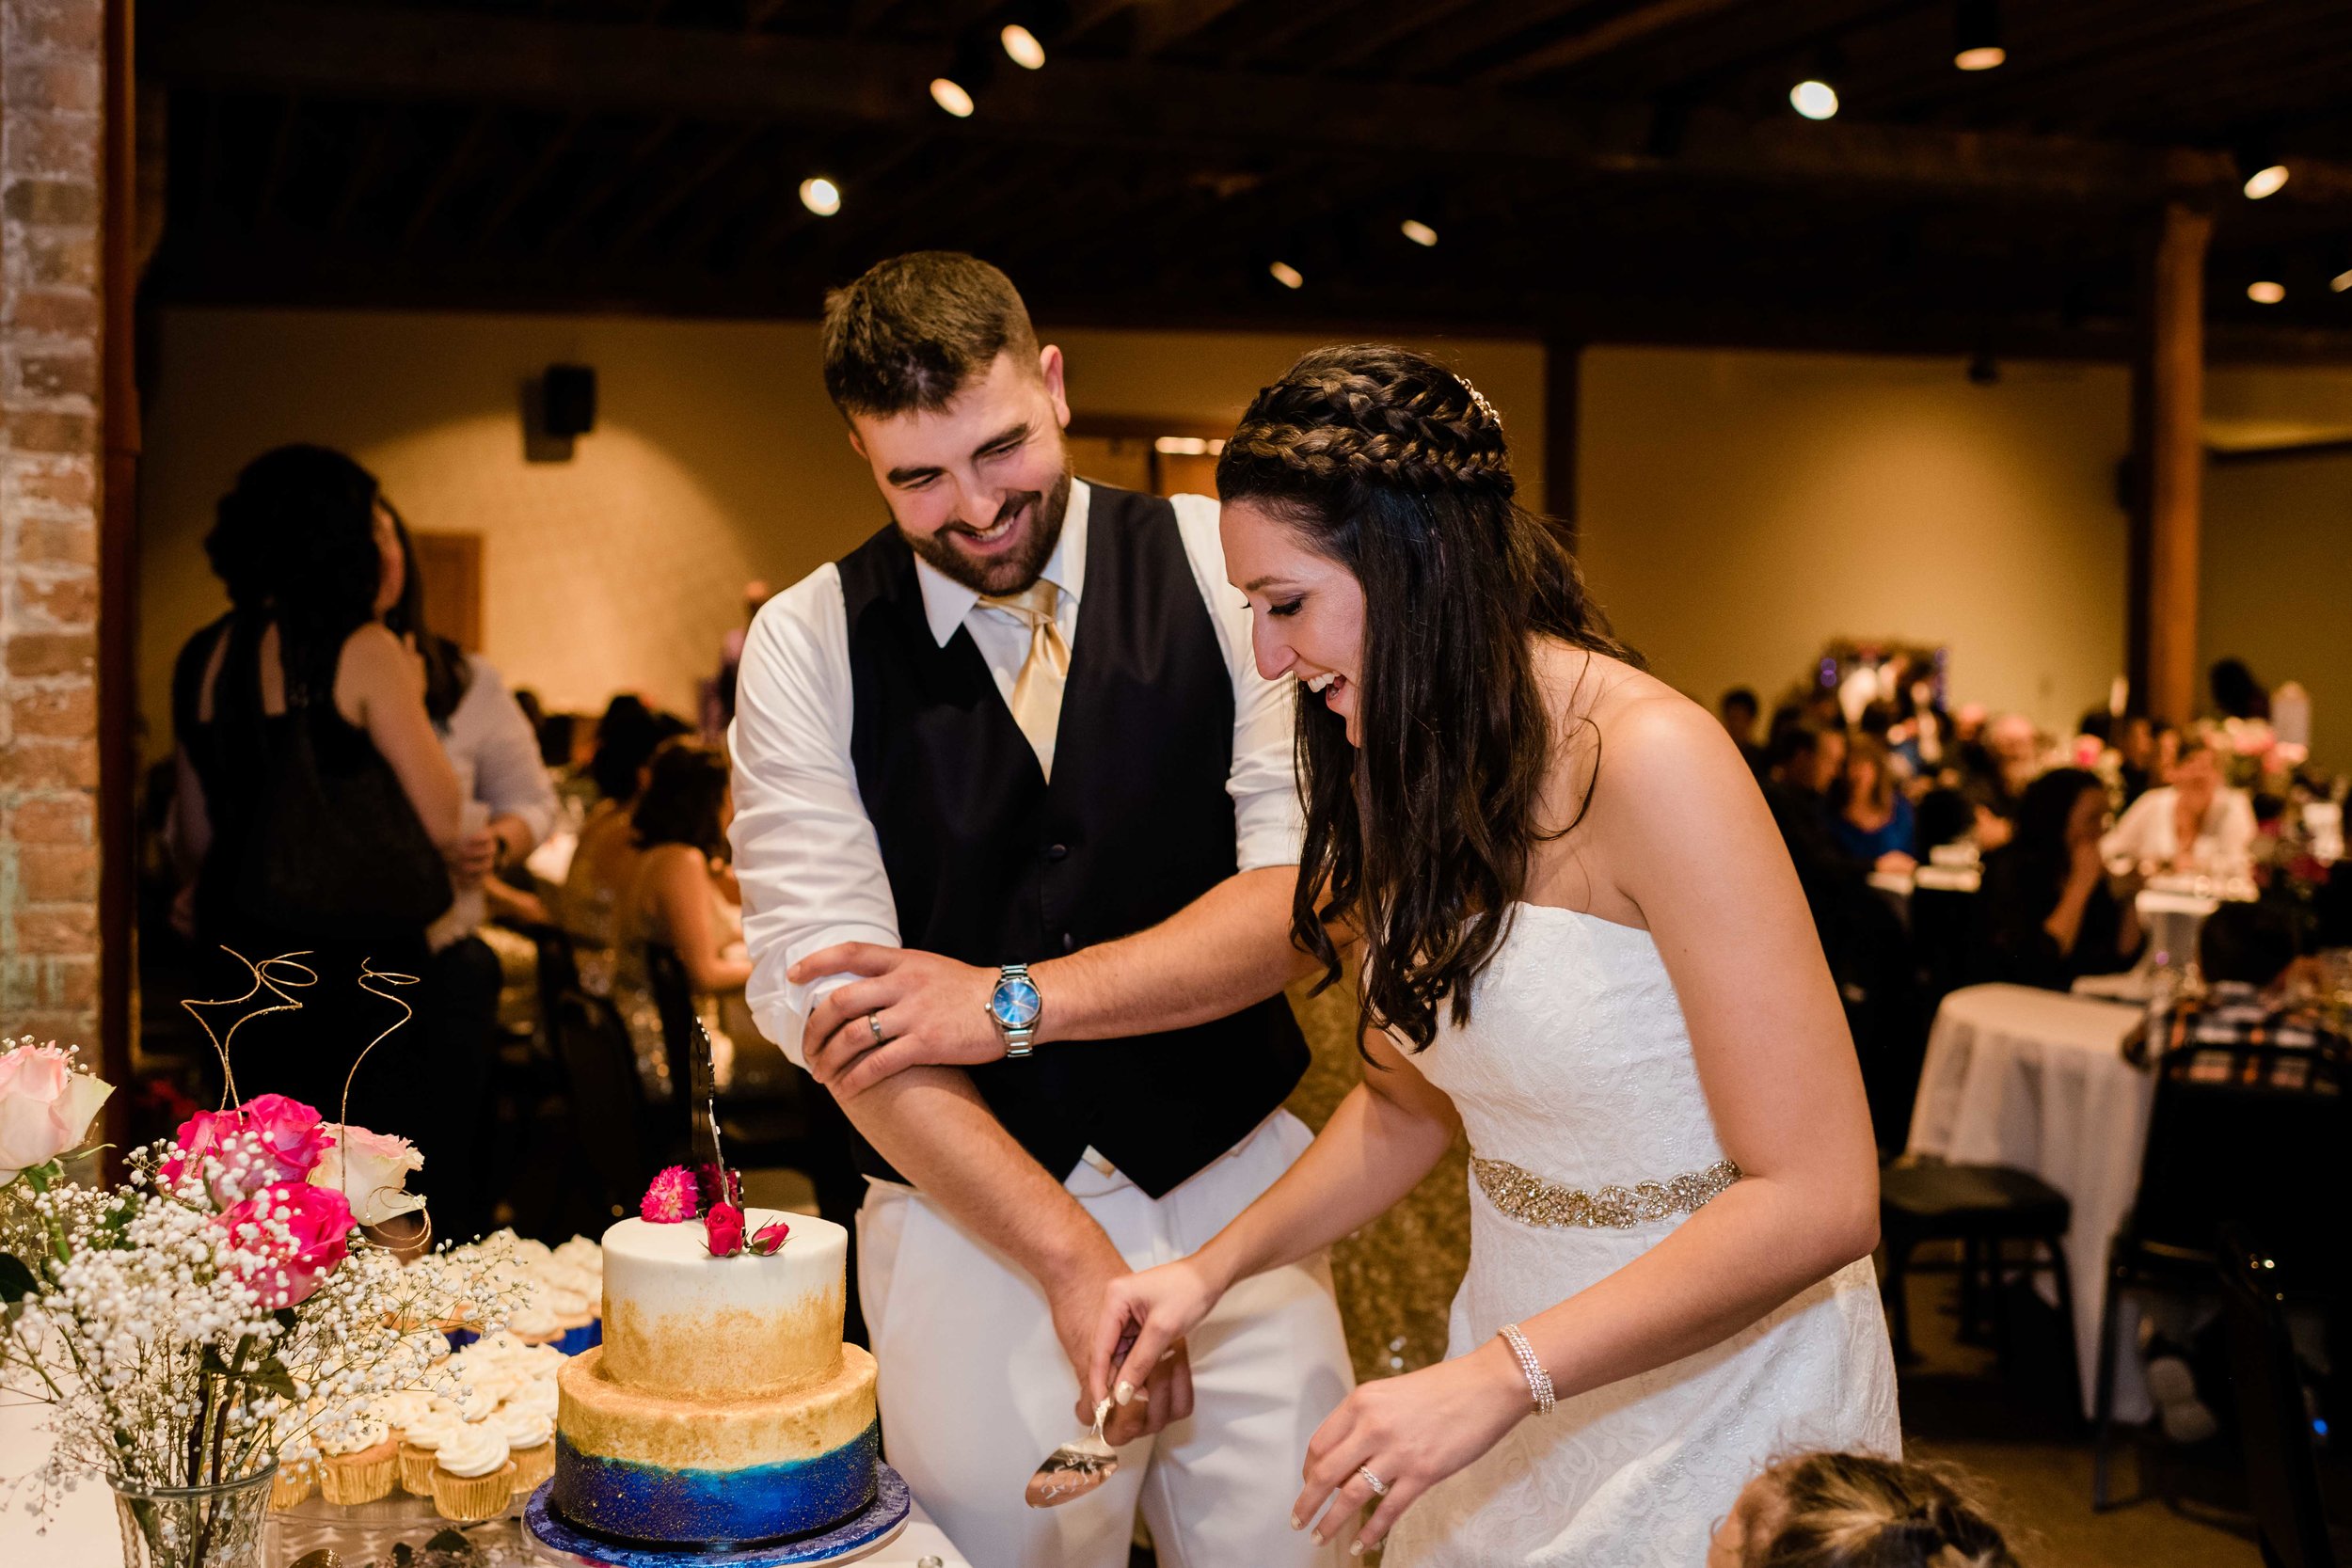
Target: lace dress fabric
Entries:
(1575, 1067)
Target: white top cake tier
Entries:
(680, 1323)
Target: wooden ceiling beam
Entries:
(394, 56)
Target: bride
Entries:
(1581, 943)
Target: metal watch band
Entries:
(1021, 1041)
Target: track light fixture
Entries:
(2267, 291)
(952, 96)
(957, 89)
(1977, 35)
(2342, 282)
(2260, 166)
(1287, 276)
(1814, 99)
(821, 195)
(1419, 232)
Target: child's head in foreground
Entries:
(1852, 1510)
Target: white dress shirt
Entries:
(490, 744)
(805, 853)
(2150, 832)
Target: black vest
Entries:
(990, 865)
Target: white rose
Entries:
(371, 1170)
(45, 1106)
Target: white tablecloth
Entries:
(2036, 1080)
(82, 1531)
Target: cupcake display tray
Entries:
(861, 1535)
(367, 1533)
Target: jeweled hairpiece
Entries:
(1480, 398)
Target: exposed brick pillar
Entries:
(51, 139)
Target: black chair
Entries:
(759, 1130)
(2240, 1134)
(557, 974)
(610, 1113)
(1985, 1209)
(2275, 1425)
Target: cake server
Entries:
(1076, 1467)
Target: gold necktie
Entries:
(1037, 691)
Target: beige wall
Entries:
(2276, 581)
(1739, 510)
(716, 458)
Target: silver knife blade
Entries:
(704, 1097)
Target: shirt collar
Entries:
(946, 602)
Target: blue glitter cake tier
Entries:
(765, 1502)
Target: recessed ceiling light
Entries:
(949, 95)
(1977, 35)
(821, 195)
(1420, 232)
(2342, 282)
(1287, 276)
(2268, 181)
(1986, 59)
(1022, 47)
(2266, 292)
(1813, 99)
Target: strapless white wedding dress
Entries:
(1576, 1069)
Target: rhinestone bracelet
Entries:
(1538, 1380)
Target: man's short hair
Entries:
(913, 330)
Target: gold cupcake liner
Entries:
(533, 1466)
(293, 1484)
(347, 1479)
(416, 1469)
(470, 1499)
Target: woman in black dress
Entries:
(2046, 915)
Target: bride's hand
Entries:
(1144, 1315)
(1412, 1432)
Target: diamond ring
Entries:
(1380, 1487)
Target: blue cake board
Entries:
(864, 1531)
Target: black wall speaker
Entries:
(569, 399)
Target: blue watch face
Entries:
(1016, 1003)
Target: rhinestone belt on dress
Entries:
(1531, 1200)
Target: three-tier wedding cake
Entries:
(722, 1405)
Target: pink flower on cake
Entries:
(290, 1236)
(45, 1106)
(371, 1170)
(770, 1238)
(724, 1230)
(671, 1199)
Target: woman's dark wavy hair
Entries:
(447, 672)
(2039, 844)
(294, 541)
(684, 799)
(1388, 463)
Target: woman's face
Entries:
(1862, 778)
(1307, 611)
(2088, 822)
(394, 580)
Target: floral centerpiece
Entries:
(218, 1314)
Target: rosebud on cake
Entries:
(722, 1405)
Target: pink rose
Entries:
(45, 1106)
(671, 1199)
(770, 1238)
(723, 1229)
(290, 1236)
(268, 1139)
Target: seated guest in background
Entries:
(2135, 740)
(676, 898)
(2046, 915)
(509, 806)
(1738, 709)
(310, 555)
(1943, 818)
(2236, 694)
(1857, 1511)
(1995, 771)
(2191, 823)
(1872, 820)
(606, 857)
(1807, 756)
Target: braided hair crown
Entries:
(1368, 414)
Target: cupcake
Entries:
(361, 1461)
(295, 1483)
(534, 1321)
(574, 1311)
(421, 1440)
(396, 1410)
(583, 1254)
(529, 1433)
(473, 1474)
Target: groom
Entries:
(1017, 831)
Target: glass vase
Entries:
(195, 1526)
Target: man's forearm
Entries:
(1228, 948)
(935, 1130)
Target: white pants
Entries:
(976, 1389)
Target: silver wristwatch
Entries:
(1014, 1006)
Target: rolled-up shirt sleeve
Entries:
(805, 853)
(1269, 823)
(509, 776)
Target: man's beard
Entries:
(1006, 574)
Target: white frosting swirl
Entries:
(475, 1449)
(477, 1402)
(535, 1316)
(361, 1430)
(567, 1300)
(434, 1428)
(526, 1425)
(541, 1395)
(581, 1253)
(403, 1407)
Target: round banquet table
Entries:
(2036, 1080)
(81, 1530)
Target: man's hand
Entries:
(1077, 1298)
(474, 857)
(932, 1011)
